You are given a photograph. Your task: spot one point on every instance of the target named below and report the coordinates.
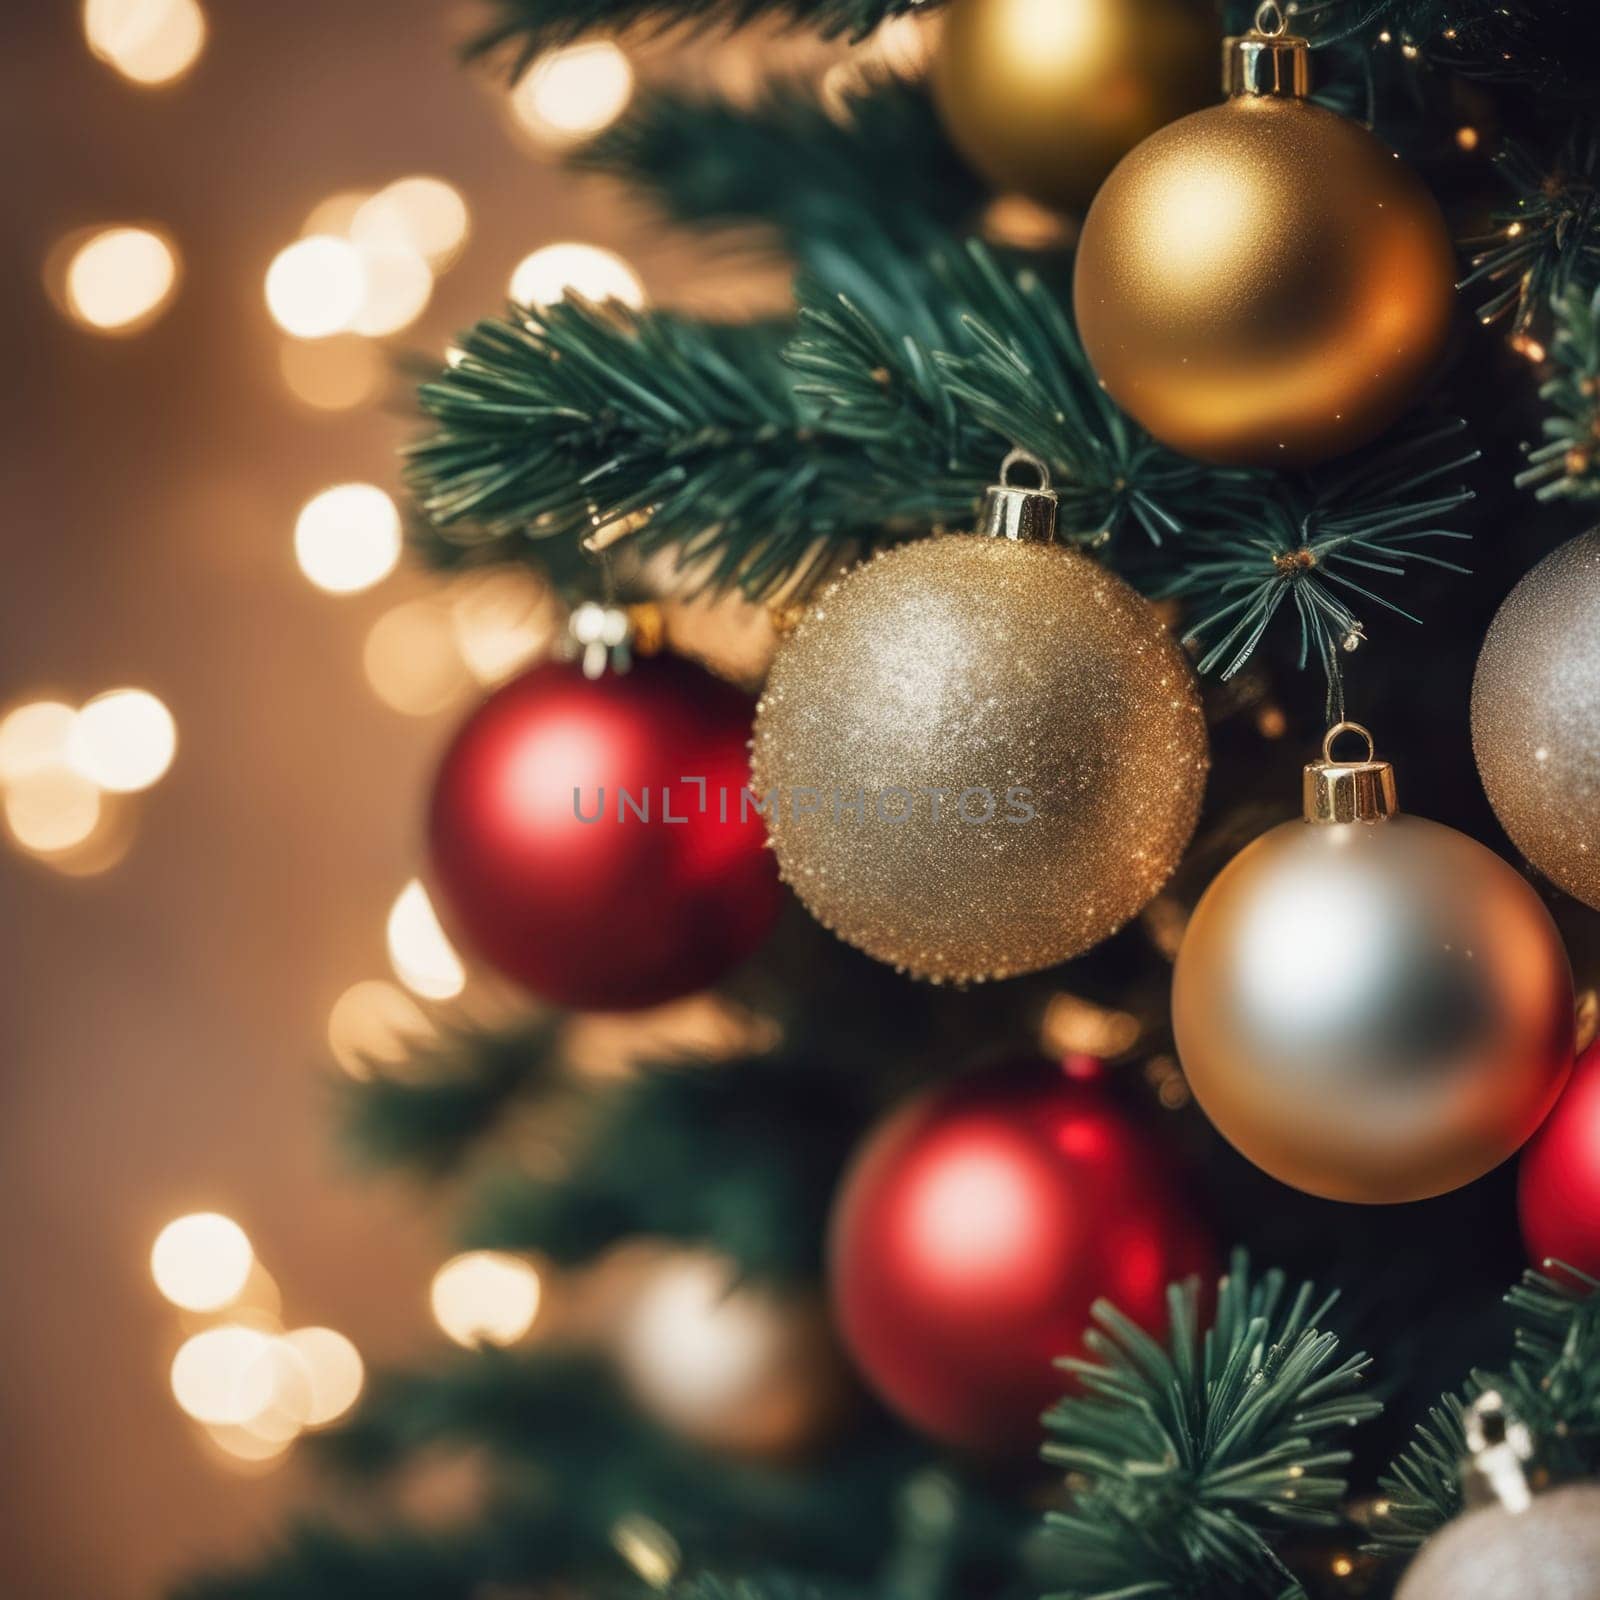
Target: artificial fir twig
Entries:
(1194, 1456)
(1567, 464)
(1552, 1384)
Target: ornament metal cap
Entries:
(1269, 60)
(1348, 791)
(1011, 511)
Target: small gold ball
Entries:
(1046, 96)
(1536, 716)
(956, 685)
(1263, 283)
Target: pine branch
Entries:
(525, 28)
(1196, 1456)
(742, 1156)
(1548, 240)
(1320, 537)
(1567, 464)
(556, 421)
(452, 1093)
(857, 190)
(1552, 1384)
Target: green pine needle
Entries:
(1567, 464)
(1552, 1384)
(1194, 1456)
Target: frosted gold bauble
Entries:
(1046, 96)
(1536, 716)
(1263, 283)
(1372, 1010)
(1551, 1551)
(1025, 735)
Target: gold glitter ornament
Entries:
(1046, 96)
(1370, 1006)
(1536, 716)
(1264, 282)
(980, 755)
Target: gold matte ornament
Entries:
(1046, 96)
(1536, 716)
(1370, 1006)
(1023, 734)
(1263, 282)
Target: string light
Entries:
(412, 660)
(1467, 138)
(424, 960)
(120, 279)
(123, 740)
(557, 270)
(399, 284)
(334, 1373)
(573, 92)
(501, 621)
(52, 811)
(316, 287)
(485, 1297)
(202, 1262)
(34, 738)
(150, 42)
(219, 1375)
(348, 538)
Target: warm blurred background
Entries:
(206, 881)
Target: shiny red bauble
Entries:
(587, 836)
(974, 1232)
(1559, 1181)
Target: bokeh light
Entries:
(424, 960)
(485, 1297)
(557, 270)
(202, 1262)
(219, 1375)
(375, 1024)
(334, 1371)
(123, 740)
(502, 620)
(150, 42)
(399, 286)
(316, 287)
(118, 280)
(348, 538)
(332, 374)
(52, 810)
(336, 213)
(573, 92)
(34, 738)
(424, 216)
(412, 659)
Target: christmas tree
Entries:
(1122, 438)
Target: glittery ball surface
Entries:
(979, 757)
(1536, 716)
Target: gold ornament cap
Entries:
(1016, 512)
(1269, 60)
(1348, 791)
(605, 637)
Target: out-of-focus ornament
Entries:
(1510, 1541)
(590, 835)
(1559, 1179)
(1263, 282)
(1046, 96)
(740, 1367)
(980, 754)
(1536, 716)
(974, 1231)
(1370, 1006)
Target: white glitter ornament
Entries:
(980, 754)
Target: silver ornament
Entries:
(1370, 1006)
(1550, 1551)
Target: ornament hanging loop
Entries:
(1269, 61)
(1348, 791)
(1011, 511)
(1500, 1446)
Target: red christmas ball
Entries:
(975, 1230)
(1558, 1184)
(587, 837)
